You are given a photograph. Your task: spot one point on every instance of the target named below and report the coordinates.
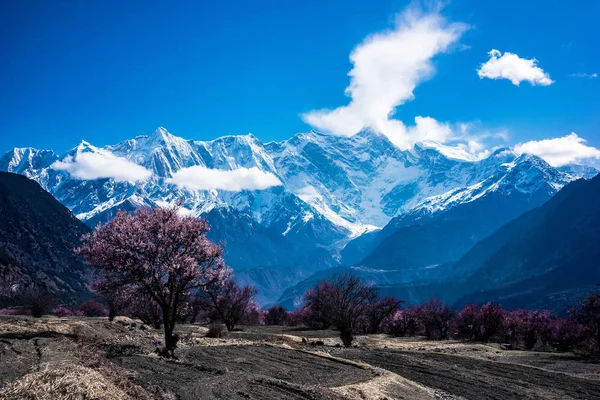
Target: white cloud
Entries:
(87, 166)
(514, 68)
(560, 151)
(387, 67)
(308, 194)
(202, 178)
(584, 75)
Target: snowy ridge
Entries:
(333, 187)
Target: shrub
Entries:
(14, 311)
(62, 312)
(276, 315)
(216, 331)
(92, 308)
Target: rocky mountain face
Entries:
(442, 228)
(334, 190)
(37, 238)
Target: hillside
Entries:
(37, 237)
(541, 258)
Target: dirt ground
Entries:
(277, 363)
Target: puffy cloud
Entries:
(560, 151)
(87, 166)
(387, 66)
(584, 75)
(202, 178)
(514, 68)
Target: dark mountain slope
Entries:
(447, 236)
(37, 237)
(542, 256)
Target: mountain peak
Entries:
(162, 134)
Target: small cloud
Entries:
(387, 66)
(584, 75)
(560, 151)
(202, 178)
(514, 68)
(88, 166)
(308, 194)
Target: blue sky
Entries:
(105, 71)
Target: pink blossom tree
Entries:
(318, 309)
(230, 302)
(158, 252)
(276, 315)
(343, 301)
(379, 310)
(435, 316)
(587, 313)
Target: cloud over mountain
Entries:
(388, 66)
(201, 178)
(514, 68)
(560, 151)
(87, 166)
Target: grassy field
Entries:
(92, 358)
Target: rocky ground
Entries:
(91, 358)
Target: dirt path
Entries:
(478, 379)
(231, 372)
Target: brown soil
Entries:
(278, 362)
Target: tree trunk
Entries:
(168, 325)
(346, 336)
(112, 313)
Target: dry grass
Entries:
(63, 381)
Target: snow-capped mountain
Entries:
(333, 188)
(356, 183)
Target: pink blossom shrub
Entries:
(62, 312)
(92, 308)
(13, 311)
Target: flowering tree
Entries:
(587, 313)
(343, 301)
(157, 252)
(378, 311)
(231, 302)
(435, 317)
(401, 323)
(276, 315)
(318, 306)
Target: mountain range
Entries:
(356, 200)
